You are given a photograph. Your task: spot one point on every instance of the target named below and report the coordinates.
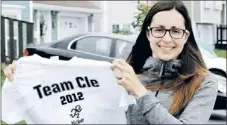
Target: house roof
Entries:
(80, 4)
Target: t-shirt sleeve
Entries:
(11, 111)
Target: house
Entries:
(119, 15)
(113, 18)
(54, 20)
(17, 12)
(206, 16)
(21, 10)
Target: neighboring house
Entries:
(119, 15)
(54, 20)
(22, 11)
(207, 15)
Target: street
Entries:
(218, 117)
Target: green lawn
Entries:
(2, 76)
(21, 122)
(220, 53)
(2, 79)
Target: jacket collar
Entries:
(162, 69)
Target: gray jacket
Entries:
(154, 110)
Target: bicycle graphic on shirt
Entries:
(75, 113)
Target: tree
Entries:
(139, 16)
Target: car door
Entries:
(122, 48)
(93, 47)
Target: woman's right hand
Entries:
(10, 70)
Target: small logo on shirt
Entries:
(75, 113)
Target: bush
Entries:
(139, 16)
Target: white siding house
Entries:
(119, 15)
(12, 11)
(207, 15)
(54, 20)
(19, 10)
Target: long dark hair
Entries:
(192, 68)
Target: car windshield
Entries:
(206, 53)
(206, 49)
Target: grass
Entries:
(220, 53)
(2, 75)
(18, 123)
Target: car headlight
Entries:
(222, 85)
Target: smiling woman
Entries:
(167, 45)
(165, 71)
(174, 85)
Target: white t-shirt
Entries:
(79, 91)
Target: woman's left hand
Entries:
(128, 79)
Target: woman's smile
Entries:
(166, 48)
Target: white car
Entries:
(216, 65)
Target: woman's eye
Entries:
(159, 30)
(176, 31)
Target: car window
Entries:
(94, 45)
(123, 49)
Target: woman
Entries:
(183, 91)
(165, 71)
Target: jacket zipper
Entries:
(156, 94)
(162, 72)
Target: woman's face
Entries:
(167, 45)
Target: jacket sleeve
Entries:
(198, 110)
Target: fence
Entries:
(221, 37)
(15, 35)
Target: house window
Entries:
(115, 28)
(70, 25)
(126, 27)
